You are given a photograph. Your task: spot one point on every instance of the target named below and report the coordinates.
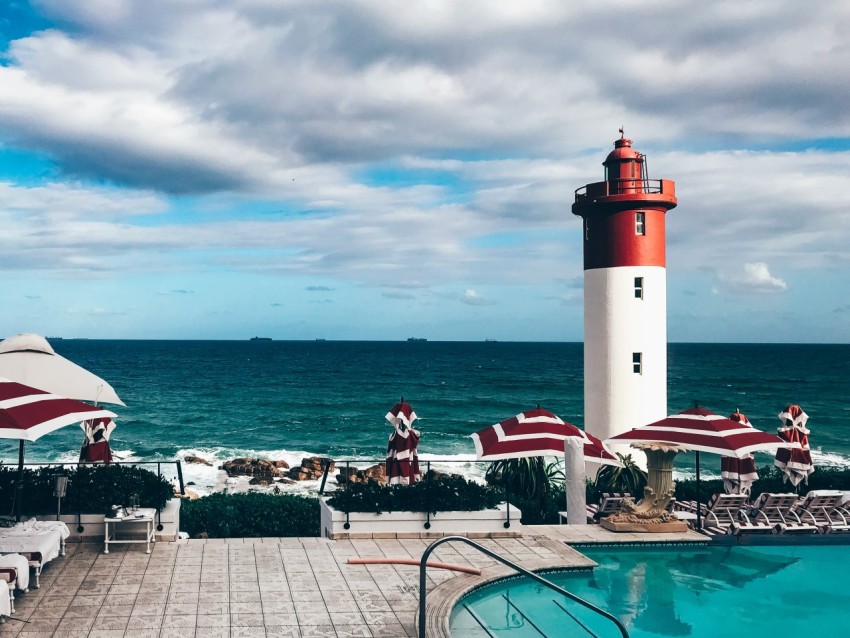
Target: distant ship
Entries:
(321, 339)
(417, 339)
(260, 339)
(490, 341)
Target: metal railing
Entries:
(427, 476)
(423, 588)
(623, 186)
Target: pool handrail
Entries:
(423, 588)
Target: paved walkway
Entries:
(271, 587)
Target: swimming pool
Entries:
(701, 592)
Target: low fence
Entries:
(425, 467)
(14, 501)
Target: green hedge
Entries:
(250, 515)
(445, 493)
(91, 489)
(770, 480)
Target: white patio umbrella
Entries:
(27, 358)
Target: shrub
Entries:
(446, 493)
(250, 515)
(91, 489)
(529, 480)
(626, 479)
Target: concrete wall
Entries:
(616, 324)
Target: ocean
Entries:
(290, 399)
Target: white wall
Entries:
(616, 324)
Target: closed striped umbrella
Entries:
(738, 474)
(402, 456)
(796, 464)
(27, 414)
(536, 432)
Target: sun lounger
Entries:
(15, 570)
(722, 510)
(822, 508)
(609, 503)
(39, 541)
(8, 574)
(772, 513)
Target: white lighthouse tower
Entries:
(625, 294)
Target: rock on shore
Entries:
(311, 469)
(259, 468)
(375, 474)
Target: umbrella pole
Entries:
(19, 486)
(699, 505)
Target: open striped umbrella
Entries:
(738, 474)
(26, 414)
(536, 432)
(701, 430)
(402, 457)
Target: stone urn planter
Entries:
(490, 523)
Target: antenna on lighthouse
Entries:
(622, 132)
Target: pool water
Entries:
(702, 592)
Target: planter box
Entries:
(484, 523)
(93, 524)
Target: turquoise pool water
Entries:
(702, 592)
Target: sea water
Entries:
(290, 399)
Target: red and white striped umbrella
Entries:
(95, 447)
(536, 432)
(27, 414)
(738, 474)
(704, 431)
(402, 457)
(796, 463)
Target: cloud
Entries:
(473, 298)
(756, 278)
(435, 147)
(318, 288)
(32, 296)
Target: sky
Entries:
(361, 169)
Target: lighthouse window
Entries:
(637, 362)
(640, 223)
(638, 287)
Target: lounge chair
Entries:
(609, 503)
(722, 510)
(15, 570)
(771, 513)
(38, 541)
(822, 508)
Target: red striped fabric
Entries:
(401, 412)
(701, 429)
(738, 474)
(27, 413)
(536, 432)
(796, 464)
(402, 462)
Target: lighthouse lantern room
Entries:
(625, 293)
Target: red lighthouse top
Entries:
(624, 215)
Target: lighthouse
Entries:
(625, 293)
